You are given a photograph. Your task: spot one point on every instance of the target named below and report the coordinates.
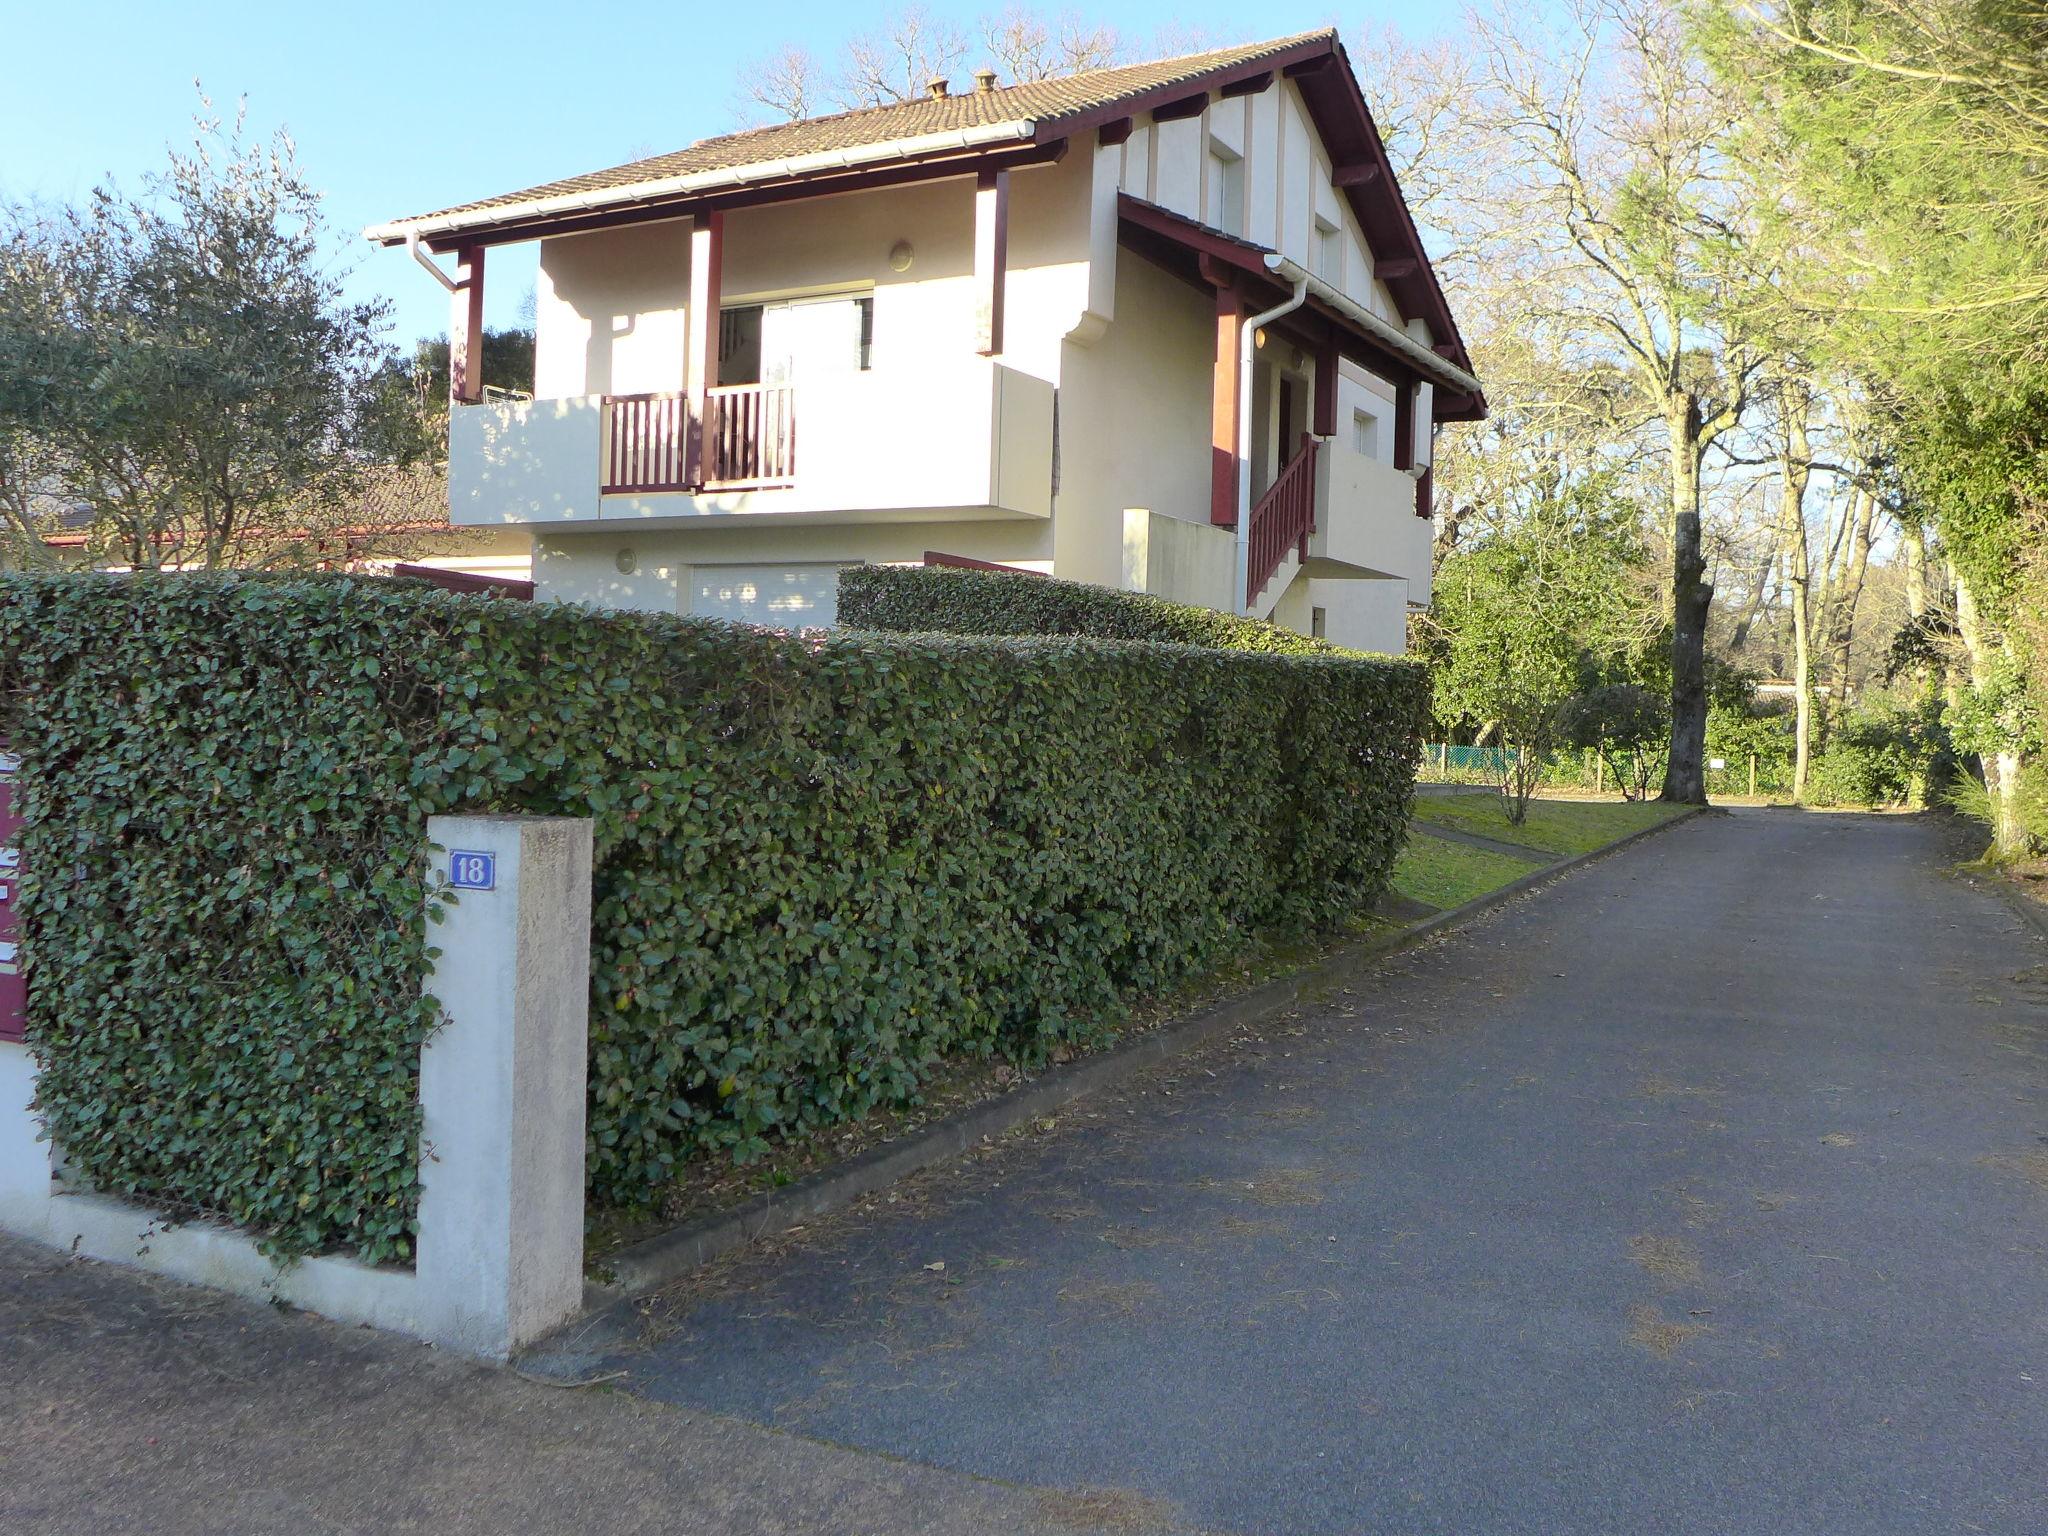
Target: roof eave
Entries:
(437, 227)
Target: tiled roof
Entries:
(1032, 102)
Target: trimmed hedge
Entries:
(823, 862)
(961, 601)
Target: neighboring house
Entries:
(398, 520)
(1010, 325)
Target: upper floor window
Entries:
(1329, 252)
(1365, 434)
(1226, 188)
(784, 340)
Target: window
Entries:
(1226, 188)
(1365, 434)
(1318, 622)
(775, 342)
(1329, 252)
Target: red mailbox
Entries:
(13, 986)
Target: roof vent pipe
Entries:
(938, 85)
(984, 80)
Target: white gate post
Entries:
(500, 1258)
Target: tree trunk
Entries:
(2001, 769)
(1795, 464)
(1685, 779)
(1848, 595)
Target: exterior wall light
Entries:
(901, 254)
(627, 562)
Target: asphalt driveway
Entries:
(1703, 1191)
(1706, 1191)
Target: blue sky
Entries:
(399, 108)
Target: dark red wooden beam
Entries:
(1250, 85)
(1187, 106)
(1354, 175)
(1394, 268)
(1115, 131)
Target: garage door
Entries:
(783, 596)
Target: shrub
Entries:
(822, 863)
(1882, 752)
(948, 600)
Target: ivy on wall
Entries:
(823, 863)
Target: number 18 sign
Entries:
(469, 871)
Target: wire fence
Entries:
(1741, 775)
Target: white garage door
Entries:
(784, 596)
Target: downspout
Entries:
(1245, 351)
(418, 254)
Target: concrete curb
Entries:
(653, 1262)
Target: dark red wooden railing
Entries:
(749, 440)
(1283, 519)
(749, 436)
(645, 443)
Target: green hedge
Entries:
(950, 600)
(823, 863)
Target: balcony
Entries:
(970, 439)
(1366, 525)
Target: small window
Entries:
(867, 332)
(1329, 252)
(1318, 619)
(1226, 189)
(1365, 434)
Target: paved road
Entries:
(1706, 1191)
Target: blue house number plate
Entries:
(472, 871)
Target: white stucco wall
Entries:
(1134, 419)
(1365, 615)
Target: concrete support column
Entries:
(700, 362)
(991, 259)
(500, 1257)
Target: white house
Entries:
(1167, 327)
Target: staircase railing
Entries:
(1282, 520)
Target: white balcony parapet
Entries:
(967, 439)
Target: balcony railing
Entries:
(749, 437)
(748, 443)
(1283, 519)
(646, 446)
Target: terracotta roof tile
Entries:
(1037, 101)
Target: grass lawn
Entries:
(1446, 874)
(1560, 827)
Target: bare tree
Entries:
(1023, 44)
(789, 83)
(1582, 187)
(900, 60)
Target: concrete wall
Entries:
(1179, 560)
(1365, 615)
(502, 1092)
(1134, 420)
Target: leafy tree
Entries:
(1921, 195)
(180, 371)
(411, 412)
(1522, 618)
